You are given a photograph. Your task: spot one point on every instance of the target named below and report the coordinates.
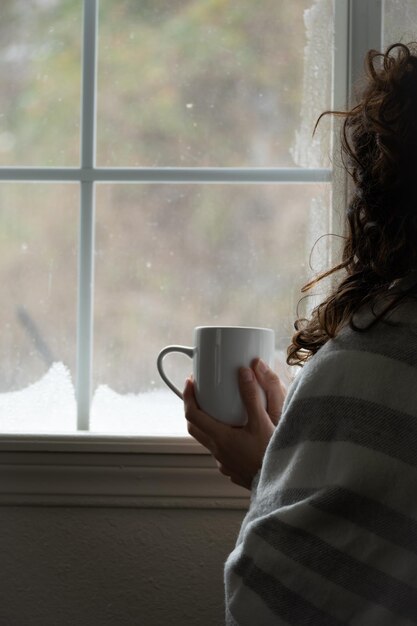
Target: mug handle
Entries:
(159, 364)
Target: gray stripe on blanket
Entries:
(375, 517)
(399, 344)
(368, 424)
(282, 601)
(340, 568)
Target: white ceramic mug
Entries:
(218, 353)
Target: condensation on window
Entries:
(319, 242)
(315, 151)
(309, 150)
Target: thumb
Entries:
(274, 389)
(251, 397)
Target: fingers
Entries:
(200, 425)
(274, 389)
(223, 469)
(200, 436)
(238, 450)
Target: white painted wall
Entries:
(113, 566)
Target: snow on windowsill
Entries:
(49, 406)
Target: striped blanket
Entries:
(331, 534)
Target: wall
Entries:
(118, 567)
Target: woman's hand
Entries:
(239, 450)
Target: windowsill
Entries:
(108, 471)
(92, 442)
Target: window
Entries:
(158, 173)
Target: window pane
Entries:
(38, 229)
(399, 21)
(208, 83)
(171, 257)
(40, 74)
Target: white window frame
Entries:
(149, 471)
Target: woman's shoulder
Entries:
(392, 337)
(369, 366)
(364, 360)
(357, 388)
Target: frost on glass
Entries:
(319, 244)
(316, 97)
(400, 21)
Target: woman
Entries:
(331, 533)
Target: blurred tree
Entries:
(217, 82)
(40, 71)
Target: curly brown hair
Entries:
(379, 152)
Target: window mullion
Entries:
(87, 211)
(158, 175)
(365, 34)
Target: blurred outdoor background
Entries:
(222, 83)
